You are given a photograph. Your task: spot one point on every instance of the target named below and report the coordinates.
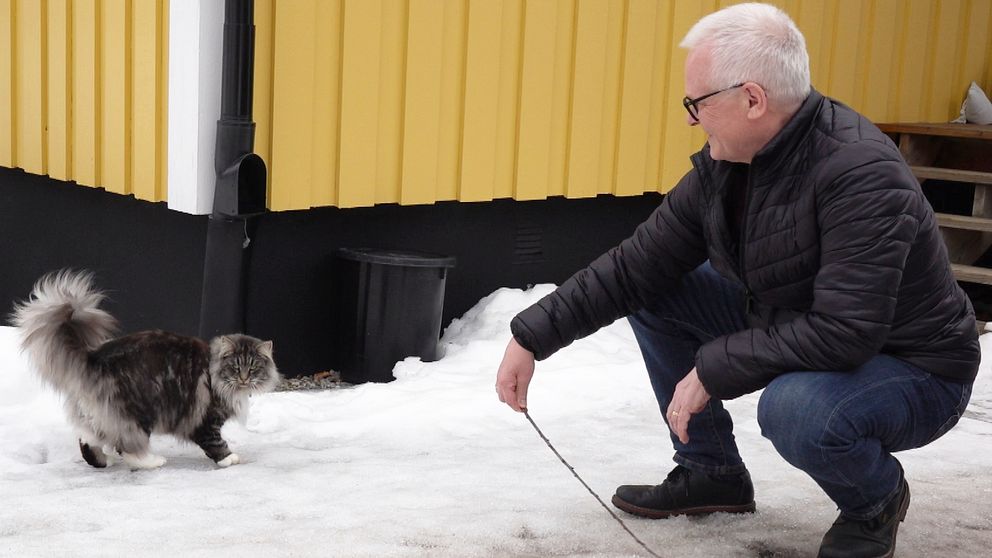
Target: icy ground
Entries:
(433, 465)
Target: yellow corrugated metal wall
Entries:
(361, 102)
(83, 87)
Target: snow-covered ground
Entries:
(433, 465)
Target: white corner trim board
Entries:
(196, 30)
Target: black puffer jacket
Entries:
(839, 252)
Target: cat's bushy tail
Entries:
(60, 324)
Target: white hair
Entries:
(754, 42)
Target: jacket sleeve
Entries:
(869, 217)
(624, 279)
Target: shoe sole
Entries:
(663, 514)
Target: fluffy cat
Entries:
(120, 390)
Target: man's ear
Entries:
(757, 100)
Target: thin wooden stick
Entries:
(591, 491)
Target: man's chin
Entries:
(719, 155)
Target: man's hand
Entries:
(514, 376)
(690, 397)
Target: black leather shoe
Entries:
(871, 538)
(685, 492)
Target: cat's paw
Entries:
(111, 455)
(93, 457)
(146, 461)
(232, 459)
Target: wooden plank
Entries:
(561, 98)
(661, 107)
(115, 100)
(964, 222)
(391, 32)
(293, 97)
(972, 274)
(919, 150)
(30, 135)
(422, 112)
(450, 118)
(964, 246)
(7, 108)
(537, 72)
(941, 98)
(612, 75)
(810, 18)
(146, 104)
(913, 63)
(265, 16)
(361, 51)
(847, 50)
(481, 101)
(59, 90)
(681, 138)
(511, 49)
(881, 48)
(949, 129)
(162, 166)
(326, 103)
(975, 34)
(588, 107)
(86, 75)
(638, 73)
(954, 175)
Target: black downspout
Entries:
(239, 194)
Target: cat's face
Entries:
(242, 364)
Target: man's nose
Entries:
(691, 121)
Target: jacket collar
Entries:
(788, 139)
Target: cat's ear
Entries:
(265, 347)
(227, 346)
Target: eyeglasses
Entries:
(690, 104)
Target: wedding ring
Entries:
(675, 413)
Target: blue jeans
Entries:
(840, 427)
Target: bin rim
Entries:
(402, 258)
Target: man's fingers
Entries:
(678, 421)
(513, 376)
(509, 394)
(680, 426)
(505, 394)
(683, 429)
(522, 395)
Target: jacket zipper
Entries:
(748, 299)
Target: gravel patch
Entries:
(328, 379)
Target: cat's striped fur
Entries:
(120, 390)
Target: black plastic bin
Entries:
(388, 306)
